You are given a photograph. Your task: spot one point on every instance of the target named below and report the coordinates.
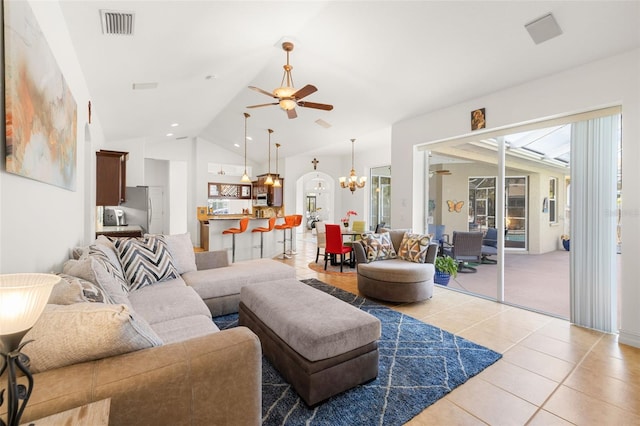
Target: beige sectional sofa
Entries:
(132, 322)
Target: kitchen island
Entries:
(119, 231)
(247, 243)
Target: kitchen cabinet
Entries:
(274, 195)
(229, 190)
(111, 177)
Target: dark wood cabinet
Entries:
(111, 177)
(274, 194)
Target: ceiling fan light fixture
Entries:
(287, 104)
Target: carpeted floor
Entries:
(419, 364)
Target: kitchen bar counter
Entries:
(247, 243)
(119, 231)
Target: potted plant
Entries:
(345, 220)
(446, 267)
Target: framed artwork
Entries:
(40, 111)
(478, 119)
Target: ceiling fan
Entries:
(288, 97)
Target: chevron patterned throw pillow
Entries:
(145, 261)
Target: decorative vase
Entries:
(441, 278)
(345, 224)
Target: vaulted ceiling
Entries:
(376, 62)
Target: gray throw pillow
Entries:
(70, 334)
(72, 289)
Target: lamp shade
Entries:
(22, 300)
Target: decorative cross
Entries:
(315, 163)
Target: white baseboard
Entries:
(629, 338)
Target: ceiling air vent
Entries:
(119, 23)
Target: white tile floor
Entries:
(551, 373)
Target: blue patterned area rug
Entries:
(419, 364)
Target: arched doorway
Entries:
(315, 193)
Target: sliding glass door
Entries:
(537, 239)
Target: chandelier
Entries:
(352, 182)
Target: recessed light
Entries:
(249, 138)
(237, 145)
(169, 134)
(174, 124)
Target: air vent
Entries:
(118, 23)
(179, 138)
(322, 123)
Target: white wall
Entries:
(40, 223)
(612, 81)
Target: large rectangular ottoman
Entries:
(320, 344)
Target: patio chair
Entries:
(490, 246)
(466, 247)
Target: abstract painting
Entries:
(40, 111)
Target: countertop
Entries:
(235, 217)
(115, 229)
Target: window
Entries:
(553, 190)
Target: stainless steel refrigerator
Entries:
(144, 207)
(138, 208)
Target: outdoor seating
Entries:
(490, 246)
(466, 247)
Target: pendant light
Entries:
(245, 177)
(277, 183)
(353, 181)
(269, 179)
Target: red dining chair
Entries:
(335, 246)
(244, 222)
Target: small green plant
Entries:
(447, 264)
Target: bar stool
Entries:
(262, 230)
(288, 224)
(296, 222)
(244, 222)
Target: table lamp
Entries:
(22, 300)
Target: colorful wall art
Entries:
(40, 111)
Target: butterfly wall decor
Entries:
(455, 206)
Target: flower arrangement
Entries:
(345, 220)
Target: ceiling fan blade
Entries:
(262, 105)
(291, 113)
(325, 107)
(264, 92)
(305, 91)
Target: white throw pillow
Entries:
(70, 334)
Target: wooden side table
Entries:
(93, 414)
